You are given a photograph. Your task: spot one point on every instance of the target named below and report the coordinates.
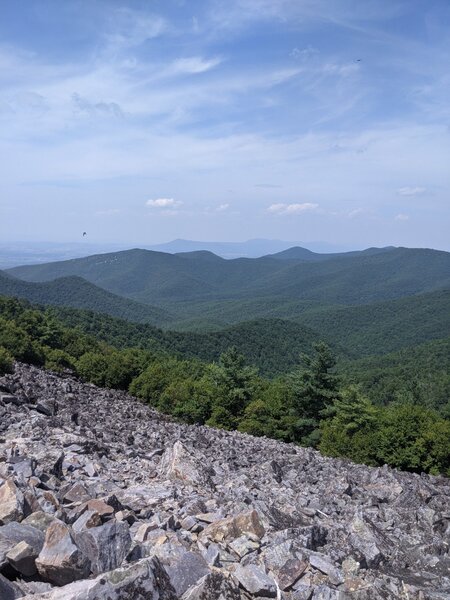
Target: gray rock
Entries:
(88, 519)
(11, 502)
(14, 533)
(323, 564)
(256, 581)
(106, 546)
(185, 571)
(212, 587)
(290, 573)
(60, 560)
(143, 580)
(8, 590)
(22, 557)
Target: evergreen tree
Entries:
(314, 388)
(234, 385)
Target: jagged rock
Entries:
(365, 542)
(256, 581)
(233, 527)
(39, 520)
(179, 463)
(106, 546)
(144, 580)
(226, 500)
(88, 519)
(290, 573)
(11, 502)
(323, 564)
(185, 571)
(242, 546)
(14, 533)
(214, 586)
(22, 557)
(60, 560)
(8, 590)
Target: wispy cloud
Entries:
(222, 207)
(412, 191)
(163, 203)
(292, 209)
(194, 65)
(401, 217)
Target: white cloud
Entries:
(411, 191)
(304, 54)
(223, 207)
(163, 203)
(194, 65)
(292, 209)
(401, 217)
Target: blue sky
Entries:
(142, 121)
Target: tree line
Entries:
(312, 405)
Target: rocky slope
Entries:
(103, 499)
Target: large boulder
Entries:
(179, 463)
(11, 502)
(60, 560)
(143, 580)
(106, 546)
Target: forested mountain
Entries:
(317, 403)
(383, 327)
(78, 293)
(273, 345)
(163, 279)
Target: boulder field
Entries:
(102, 498)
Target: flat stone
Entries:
(256, 581)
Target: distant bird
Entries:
(84, 233)
(358, 60)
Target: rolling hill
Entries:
(78, 293)
(169, 280)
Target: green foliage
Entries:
(314, 387)
(351, 430)
(6, 361)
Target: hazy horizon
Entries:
(141, 123)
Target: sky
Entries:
(142, 121)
